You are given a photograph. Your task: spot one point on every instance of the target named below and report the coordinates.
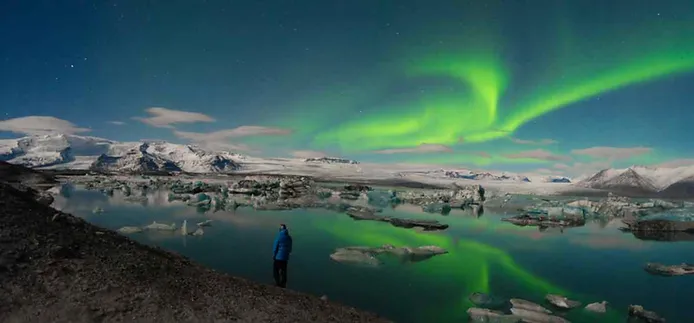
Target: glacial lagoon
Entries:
(592, 263)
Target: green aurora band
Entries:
(430, 121)
(475, 113)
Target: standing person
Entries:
(280, 254)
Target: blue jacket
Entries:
(282, 246)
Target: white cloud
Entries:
(612, 152)
(238, 132)
(539, 154)
(423, 148)
(533, 142)
(221, 139)
(226, 146)
(561, 166)
(546, 171)
(482, 154)
(117, 123)
(40, 125)
(164, 118)
(308, 154)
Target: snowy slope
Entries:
(194, 159)
(136, 159)
(36, 151)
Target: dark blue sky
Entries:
(335, 73)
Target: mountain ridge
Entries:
(99, 154)
(72, 152)
(645, 180)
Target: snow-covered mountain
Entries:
(135, 159)
(643, 179)
(80, 152)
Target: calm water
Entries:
(590, 264)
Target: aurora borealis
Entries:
(512, 85)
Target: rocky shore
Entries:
(55, 267)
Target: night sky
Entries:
(543, 85)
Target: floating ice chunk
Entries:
(672, 270)
(682, 214)
(537, 317)
(561, 301)
(205, 223)
(599, 307)
(527, 305)
(485, 315)
(355, 257)
(638, 311)
(160, 226)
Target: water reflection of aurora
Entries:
(470, 264)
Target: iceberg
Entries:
(160, 226)
(682, 214)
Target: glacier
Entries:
(82, 152)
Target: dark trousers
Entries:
(279, 271)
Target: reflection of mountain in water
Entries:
(664, 235)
